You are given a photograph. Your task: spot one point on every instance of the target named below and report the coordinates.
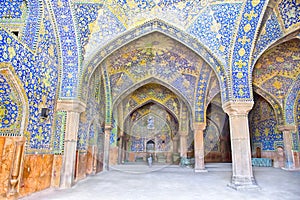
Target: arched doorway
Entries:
(151, 119)
(163, 66)
(217, 143)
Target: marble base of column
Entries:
(67, 172)
(200, 170)
(199, 147)
(287, 131)
(290, 167)
(243, 183)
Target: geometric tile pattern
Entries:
(11, 9)
(11, 105)
(85, 15)
(277, 106)
(59, 132)
(263, 126)
(154, 55)
(100, 24)
(163, 28)
(108, 99)
(201, 93)
(92, 118)
(113, 132)
(277, 71)
(242, 48)
(289, 13)
(278, 86)
(291, 102)
(30, 33)
(69, 48)
(39, 80)
(156, 93)
(295, 140)
(269, 34)
(46, 41)
(34, 59)
(133, 13)
(281, 60)
(214, 27)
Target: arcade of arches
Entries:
(85, 85)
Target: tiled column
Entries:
(288, 145)
(199, 147)
(106, 147)
(242, 174)
(73, 108)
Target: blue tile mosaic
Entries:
(38, 75)
(10, 106)
(201, 92)
(290, 12)
(69, 48)
(59, 132)
(11, 9)
(169, 31)
(241, 55)
(93, 117)
(92, 37)
(291, 103)
(85, 15)
(215, 26)
(270, 33)
(263, 126)
(30, 33)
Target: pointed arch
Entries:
(131, 89)
(145, 29)
(151, 101)
(278, 110)
(282, 39)
(15, 100)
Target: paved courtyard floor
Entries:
(139, 182)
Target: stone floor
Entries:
(139, 182)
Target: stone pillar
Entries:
(288, 145)
(242, 174)
(199, 147)
(175, 144)
(124, 144)
(73, 108)
(106, 147)
(183, 144)
(121, 147)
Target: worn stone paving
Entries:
(160, 182)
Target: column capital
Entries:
(107, 127)
(176, 137)
(237, 108)
(183, 133)
(71, 105)
(199, 126)
(287, 128)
